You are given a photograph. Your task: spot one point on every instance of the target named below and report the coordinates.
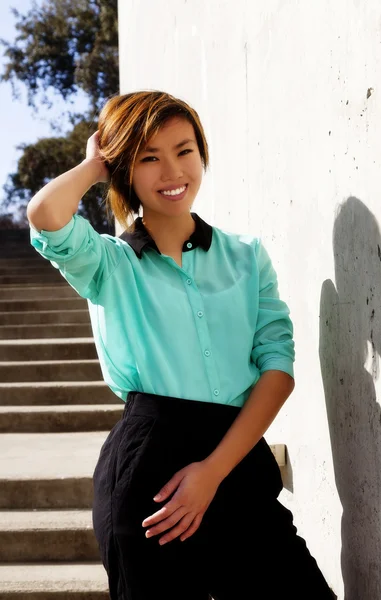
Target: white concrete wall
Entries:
(294, 134)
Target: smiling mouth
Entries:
(171, 194)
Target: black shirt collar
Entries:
(139, 238)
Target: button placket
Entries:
(196, 301)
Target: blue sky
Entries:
(18, 123)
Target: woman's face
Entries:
(162, 167)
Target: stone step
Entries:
(16, 241)
(20, 237)
(20, 263)
(50, 370)
(17, 332)
(37, 470)
(16, 248)
(54, 581)
(16, 244)
(48, 349)
(38, 292)
(8, 236)
(43, 305)
(14, 234)
(27, 268)
(51, 535)
(44, 317)
(45, 393)
(58, 418)
(62, 492)
(21, 285)
(13, 252)
(37, 278)
(48, 470)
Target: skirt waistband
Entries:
(142, 404)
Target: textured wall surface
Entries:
(290, 97)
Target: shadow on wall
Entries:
(350, 346)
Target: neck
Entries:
(169, 233)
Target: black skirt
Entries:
(246, 545)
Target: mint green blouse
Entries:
(205, 331)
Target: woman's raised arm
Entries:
(54, 205)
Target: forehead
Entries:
(175, 126)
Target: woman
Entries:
(192, 335)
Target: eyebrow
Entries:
(151, 149)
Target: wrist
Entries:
(95, 167)
(217, 471)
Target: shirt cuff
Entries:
(278, 364)
(51, 238)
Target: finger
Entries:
(192, 529)
(161, 514)
(178, 530)
(169, 487)
(167, 523)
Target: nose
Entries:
(171, 170)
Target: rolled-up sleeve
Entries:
(273, 345)
(84, 257)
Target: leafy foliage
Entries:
(62, 47)
(45, 160)
(65, 45)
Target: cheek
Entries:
(141, 180)
(198, 173)
(198, 168)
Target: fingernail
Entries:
(157, 497)
(162, 542)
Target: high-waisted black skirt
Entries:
(246, 546)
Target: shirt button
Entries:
(200, 313)
(189, 281)
(216, 392)
(207, 353)
(189, 245)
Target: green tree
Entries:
(47, 158)
(62, 47)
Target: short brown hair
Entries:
(125, 123)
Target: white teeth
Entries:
(174, 192)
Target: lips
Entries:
(173, 187)
(173, 197)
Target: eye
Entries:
(148, 159)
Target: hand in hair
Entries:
(93, 154)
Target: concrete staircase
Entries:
(55, 413)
